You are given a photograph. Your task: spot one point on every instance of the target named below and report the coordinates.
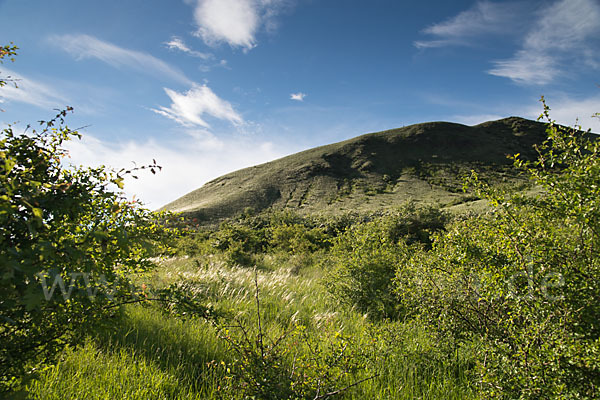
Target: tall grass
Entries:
(149, 354)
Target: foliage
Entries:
(520, 283)
(193, 243)
(68, 244)
(367, 255)
(365, 260)
(8, 50)
(297, 238)
(416, 223)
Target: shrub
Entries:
(296, 238)
(68, 243)
(521, 282)
(365, 259)
(367, 256)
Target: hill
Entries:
(376, 171)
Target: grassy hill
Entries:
(423, 162)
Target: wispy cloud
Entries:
(85, 46)
(528, 66)
(31, 92)
(567, 110)
(190, 108)
(298, 96)
(561, 35)
(484, 17)
(176, 43)
(235, 22)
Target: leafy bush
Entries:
(297, 238)
(416, 223)
(521, 282)
(245, 237)
(68, 244)
(367, 255)
(193, 243)
(365, 259)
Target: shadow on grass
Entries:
(183, 348)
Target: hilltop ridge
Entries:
(375, 171)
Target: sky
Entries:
(206, 87)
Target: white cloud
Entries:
(568, 111)
(235, 22)
(483, 18)
(85, 46)
(298, 96)
(528, 66)
(189, 108)
(31, 92)
(560, 35)
(176, 43)
(187, 164)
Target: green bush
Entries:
(367, 255)
(68, 244)
(247, 238)
(416, 223)
(365, 259)
(296, 238)
(521, 282)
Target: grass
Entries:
(149, 354)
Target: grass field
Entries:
(151, 354)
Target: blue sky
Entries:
(206, 87)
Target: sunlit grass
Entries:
(148, 354)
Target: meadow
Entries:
(150, 353)
(415, 301)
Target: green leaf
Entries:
(37, 212)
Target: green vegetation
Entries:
(521, 283)
(402, 302)
(68, 245)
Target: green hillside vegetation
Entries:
(399, 299)
(380, 171)
(413, 302)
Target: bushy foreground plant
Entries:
(522, 282)
(68, 245)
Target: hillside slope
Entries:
(376, 171)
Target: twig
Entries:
(335, 392)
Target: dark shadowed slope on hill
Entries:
(376, 171)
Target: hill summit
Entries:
(376, 171)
